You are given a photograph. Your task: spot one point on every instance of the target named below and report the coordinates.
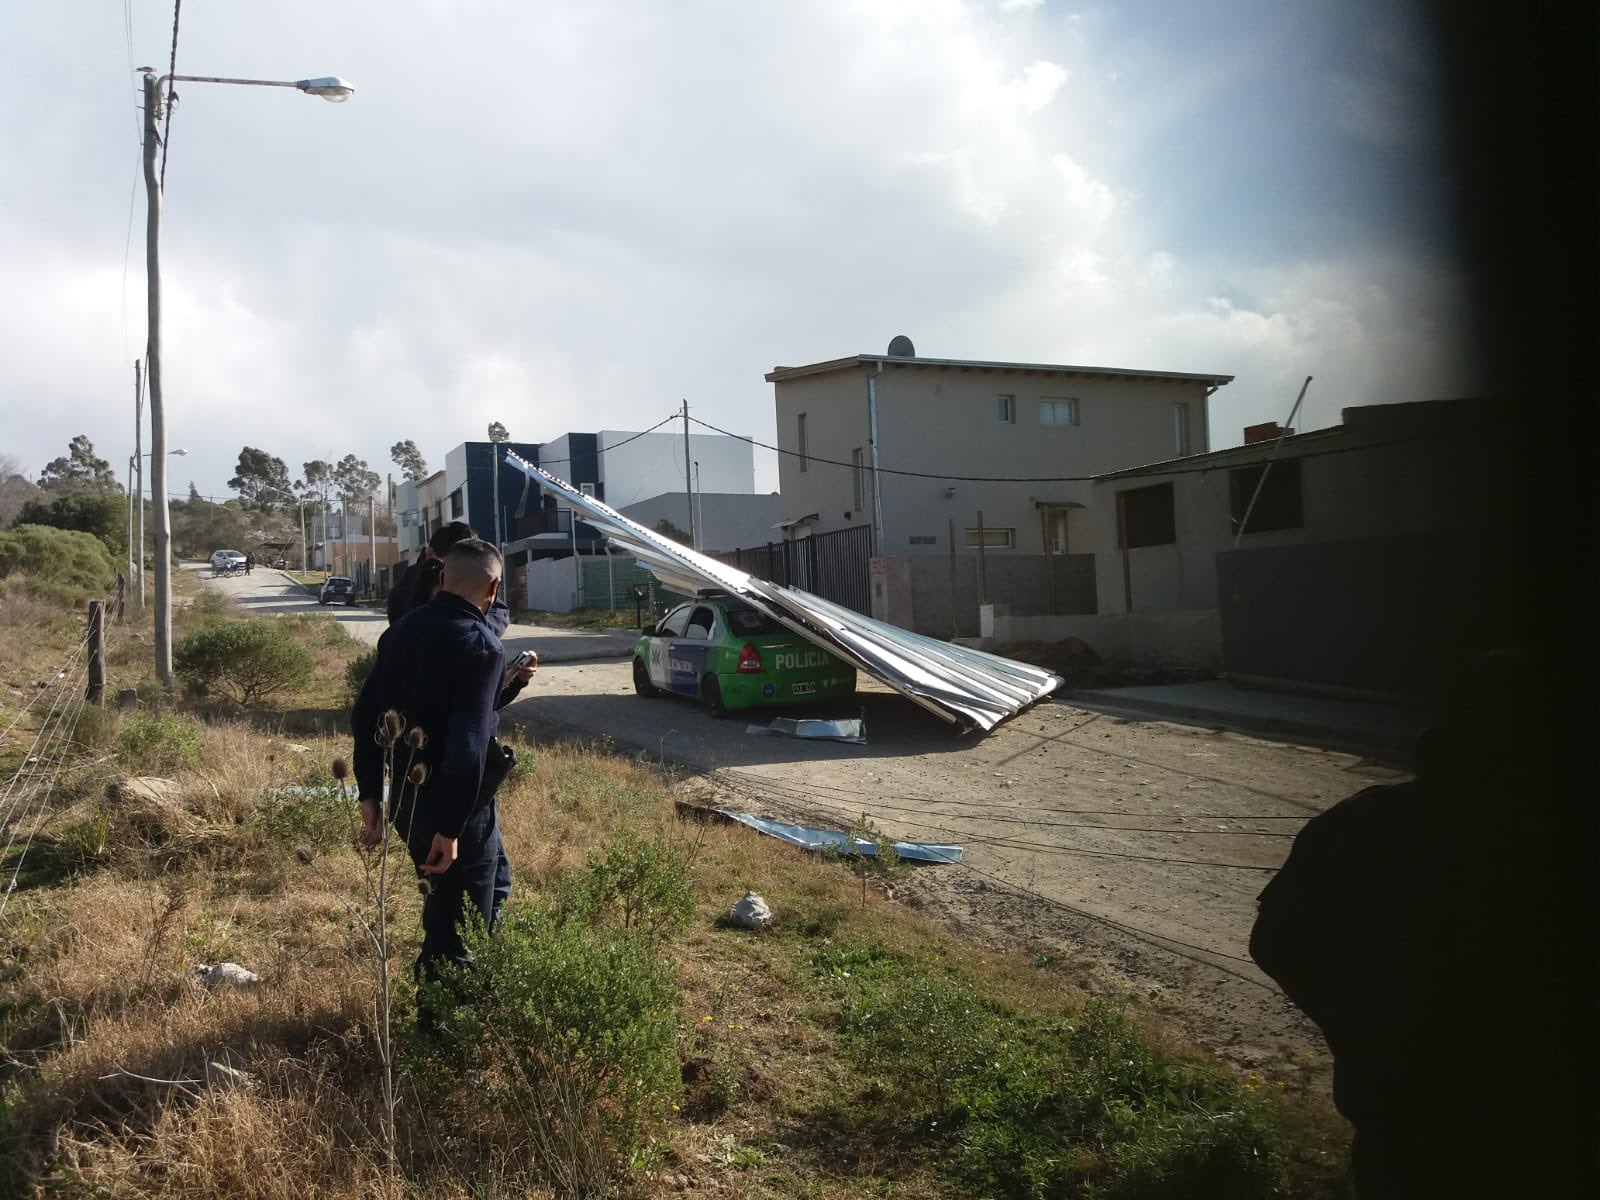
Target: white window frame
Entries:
(1005, 409)
(1008, 538)
(1055, 405)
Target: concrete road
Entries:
(272, 593)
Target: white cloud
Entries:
(632, 205)
(1012, 6)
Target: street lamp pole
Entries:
(329, 88)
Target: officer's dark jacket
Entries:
(440, 668)
(399, 603)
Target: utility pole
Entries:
(372, 544)
(130, 519)
(158, 416)
(688, 485)
(303, 568)
(138, 473)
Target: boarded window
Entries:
(993, 539)
(1144, 517)
(1279, 504)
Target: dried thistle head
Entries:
(341, 770)
(418, 775)
(417, 738)
(393, 726)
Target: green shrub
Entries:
(159, 742)
(569, 1028)
(245, 661)
(63, 564)
(102, 514)
(319, 815)
(643, 885)
(1018, 1107)
(356, 672)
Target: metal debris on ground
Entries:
(969, 688)
(810, 838)
(750, 911)
(852, 729)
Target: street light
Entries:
(329, 87)
(136, 533)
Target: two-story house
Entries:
(1000, 455)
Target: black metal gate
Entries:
(836, 566)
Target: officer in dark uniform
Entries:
(442, 669)
(401, 594)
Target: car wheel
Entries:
(711, 695)
(641, 680)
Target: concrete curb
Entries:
(1394, 745)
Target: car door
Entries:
(671, 626)
(691, 649)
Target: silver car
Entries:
(224, 561)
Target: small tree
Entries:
(261, 479)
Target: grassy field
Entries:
(581, 618)
(853, 1049)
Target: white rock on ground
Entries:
(225, 974)
(750, 911)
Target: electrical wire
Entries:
(26, 708)
(172, 96)
(1153, 471)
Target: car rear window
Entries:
(747, 620)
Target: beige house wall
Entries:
(945, 421)
(1373, 486)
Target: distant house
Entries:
(899, 445)
(1347, 558)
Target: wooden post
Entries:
(97, 651)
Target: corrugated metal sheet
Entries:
(966, 687)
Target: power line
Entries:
(1154, 471)
(172, 96)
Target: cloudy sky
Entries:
(570, 216)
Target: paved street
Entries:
(272, 593)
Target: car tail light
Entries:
(750, 660)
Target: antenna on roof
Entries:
(901, 347)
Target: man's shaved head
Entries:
(472, 571)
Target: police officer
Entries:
(442, 669)
(401, 598)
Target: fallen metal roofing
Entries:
(963, 686)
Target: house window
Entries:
(586, 488)
(993, 539)
(1058, 412)
(1005, 409)
(923, 539)
(455, 504)
(800, 424)
(1180, 428)
(1144, 517)
(858, 475)
(1279, 504)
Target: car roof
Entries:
(338, 579)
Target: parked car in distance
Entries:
(226, 560)
(337, 587)
(721, 651)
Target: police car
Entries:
(721, 651)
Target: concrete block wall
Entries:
(915, 593)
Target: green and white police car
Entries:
(721, 651)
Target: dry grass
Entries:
(96, 986)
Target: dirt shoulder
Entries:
(1127, 851)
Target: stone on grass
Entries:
(750, 911)
(225, 974)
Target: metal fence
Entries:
(836, 566)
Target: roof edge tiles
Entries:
(780, 374)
